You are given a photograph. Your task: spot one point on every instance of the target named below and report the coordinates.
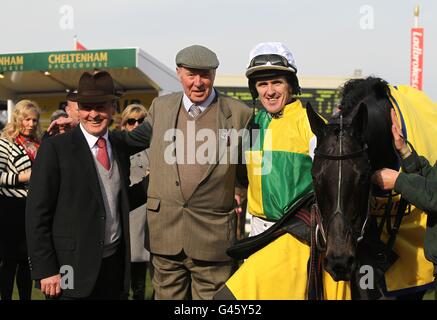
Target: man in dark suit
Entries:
(77, 207)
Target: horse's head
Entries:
(374, 93)
(341, 178)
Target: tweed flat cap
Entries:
(197, 57)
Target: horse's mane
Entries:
(356, 91)
(374, 93)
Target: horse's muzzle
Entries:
(340, 267)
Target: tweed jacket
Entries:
(203, 226)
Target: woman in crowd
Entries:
(131, 118)
(19, 143)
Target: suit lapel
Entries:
(86, 161)
(171, 118)
(224, 123)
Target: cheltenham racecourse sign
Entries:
(64, 60)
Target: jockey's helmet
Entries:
(271, 59)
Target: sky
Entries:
(327, 38)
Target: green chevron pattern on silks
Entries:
(279, 165)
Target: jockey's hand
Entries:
(238, 209)
(61, 125)
(398, 138)
(51, 286)
(385, 178)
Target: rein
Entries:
(400, 212)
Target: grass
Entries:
(430, 295)
(37, 295)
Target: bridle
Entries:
(315, 209)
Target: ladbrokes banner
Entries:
(64, 60)
(416, 71)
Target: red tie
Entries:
(102, 153)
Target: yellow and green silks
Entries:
(278, 164)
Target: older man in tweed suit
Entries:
(190, 209)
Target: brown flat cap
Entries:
(197, 57)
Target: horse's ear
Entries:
(359, 121)
(381, 89)
(318, 125)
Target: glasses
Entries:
(274, 59)
(132, 121)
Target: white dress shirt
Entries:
(92, 143)
(205, 104)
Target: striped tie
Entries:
(194, 111)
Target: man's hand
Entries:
(61, 125)
(51, 286)
(398, 138)
(238, 209)
(385, 178)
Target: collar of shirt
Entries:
(205, 104)
(92, 142)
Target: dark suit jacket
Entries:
(204, 225)
(65, 214)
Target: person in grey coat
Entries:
(131, 118)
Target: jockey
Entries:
(279, 167)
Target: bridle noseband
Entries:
(337, 157)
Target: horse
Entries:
(341, 179)
(350, 148)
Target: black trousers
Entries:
(110, 281)
(11, 269)
(138, 273)
(12, 228)
(109, 284)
